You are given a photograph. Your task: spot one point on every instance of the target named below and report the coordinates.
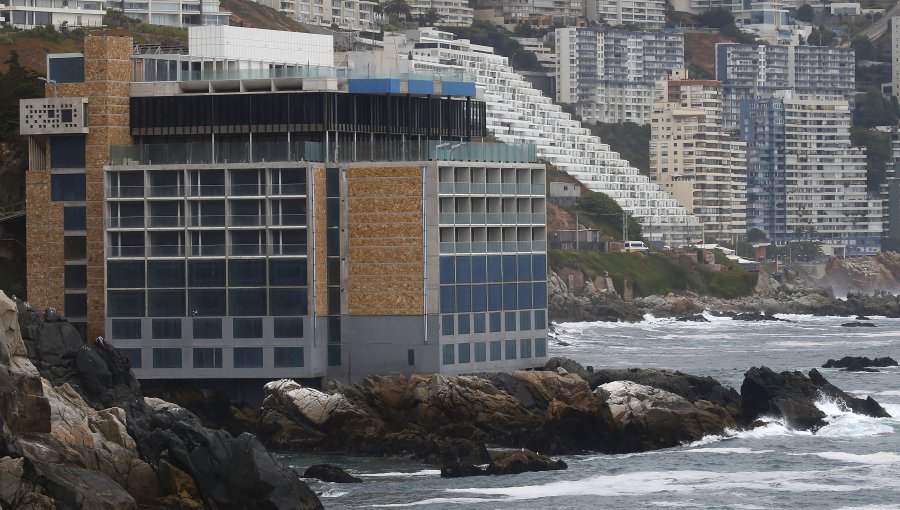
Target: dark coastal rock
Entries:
(860, 361)
(461, 470)
(82, 488)
(330, 473)
(858, 325)
(862, 318)
(692, 318)
(521, 461)
(792, 396)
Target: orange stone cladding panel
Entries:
(385, 252)
(321, 283)
(46, 257)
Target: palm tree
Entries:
(398, 8)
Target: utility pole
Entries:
(624, 226)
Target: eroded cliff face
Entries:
(864, 275)
(78, 433)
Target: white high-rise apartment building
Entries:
(895, 56)
(543, 12)
(644, 14)
(59, 13)
(805, 180)
(609, 74)
(695, 159)
(175, 13)
(454, 13)
(518, 112)
(346, 14)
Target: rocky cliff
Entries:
(78, 433)
(864, 275)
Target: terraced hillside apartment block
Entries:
(295, 225)
(642, 14)
(453, 13)
(59, 13)
(175, 13)
(357, 15)
(805, 180)
(537, 12)
(693, 157)
(749, 71)
(516, 112)
(608, 75)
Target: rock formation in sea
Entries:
(78, 433)
(855, 362)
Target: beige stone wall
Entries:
(385, 248)
(321, 283)
(46, 261)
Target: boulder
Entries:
(867, 406)
(521, 461)
(860, 361)
(650, 418)
(858, 325)
(330, 473)
(461, 470)
(313, 405)
(82, 488)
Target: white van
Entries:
(632, 246)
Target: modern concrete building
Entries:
(231, 226)
(454, 13)
(175, 13)
(695, 159)
(608, 75)
(890, 197)
(749, 71)
(519, 113)
(642, 14)
(538, 12)
(59, 13)
(805, 181)
(359, 15)
(895, 56)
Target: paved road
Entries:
(879, 27)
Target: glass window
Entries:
(509, 296)
(448, 299)
(167, 357)
(540, 319)
(125, 303)
(496, 350)
(333, 212)
(525, 348)
(333, 242)
(510, 349)
(524, 320)
(243, 302)
(246, 273)
(287, 272)
(479, 269)
(333, 268)
(479, 298)
(74, 247)
(332, 182)
(288, 301)
(448, 358)
(539, 291)
(539, 267)
(463, 269)
(207, 357)
(207, 328)
(75, 277)
(524, 267)
(479, 322)
(333, 325)
(289, 327)
(463, 298)
(76, 305)
(480, 352)
(165, 303)
(447, 325)
(67, 187)
(166, 329)
(411, 357)
(125, 274)
(247, 327)
(540, 347)
(524, 295)
(68, 152)
(75, 218)
(286, 357)
(133, 355)
(510, 321)
(248, 357)
(509, 268)
(465, 355)
(206, 273)
(447, 271)
(495, 297)
(334, 355)
(207, 302)
(165, 273)
(496, 322)
(494, 265)
(126, 329)
(463, 324)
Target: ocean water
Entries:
(852, 462)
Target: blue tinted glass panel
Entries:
(496, 322)
(75, 277)
(243, 302)
(510, 321)
(524, 321)
(539, 291)
(479, 269)
(447, 325)
(524, 268)
(206, 273)
(67, 187)
(248, 357)
(167, 358)
(448, 358)
(246, 273)
(479, 298)
(448, 270)
(207, 303)
(540, 347)
(465, 353)
(287, 272)
(479, 321)
(539, 267)
(510, 349)
(495, 297)
(134, 357)
(76, 305)
(463, 324)
(207, 357)
(334, 355)
(126, 329)
(165, 273)
(463, 269)
(247, 328)
(480, 352)
(525, 295)
(509, 296)
(463, 298)
(525, 348)
(68, 152)
(288, 357)
(540, 319)
(125, 303)
(125, 274)
(66, 69)
(496, 350)
(165, 303)
(495, 271)
(448, 299)
(289, 327)
(166, 329)
(75, 218)
(288, 301)
(509, 268)
(205, 329)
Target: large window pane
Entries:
(206, 329)
(288, 301)
(75, 277)
(206, 302)
(76, 305)
(247, 328)
(75, 218)
(289, 327)
(525, 295)
(288, 357)
(125, 303)
(463, 298)
(463, 324)
(67, 187)
(167, 329)
(479, 269)
(479, 323)
(479, 298)
(525, 348)
(207, 357)
(448, 357)
(165, 303)
(496, 322)
(126, 329)
(539, 267)
(509, 268)
(448, 299)
(495, 297)
(165, 273)
(448, 271)
(206, 273)
(510, 349)
(167, 358)
(539, 291)
(68, 152)
(540, 347)
(480, 352)
(287, 272)
(465, 353)
(509, 296)
(74, 247)
(125, 274)
(510, 321)
(448, 325)
(248, 357)
(133, 355)
(496, 350)
(540, 319)
(247, 273)
(463, 269)
(524, 268)
(495, 272)
(244, 302)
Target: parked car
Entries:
(634, 246)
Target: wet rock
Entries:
(861, 361)
(330, 473)
(858, 325)
(692, 318)
(867, 406)
(461, 470)
(82, 488)
(521, 461)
